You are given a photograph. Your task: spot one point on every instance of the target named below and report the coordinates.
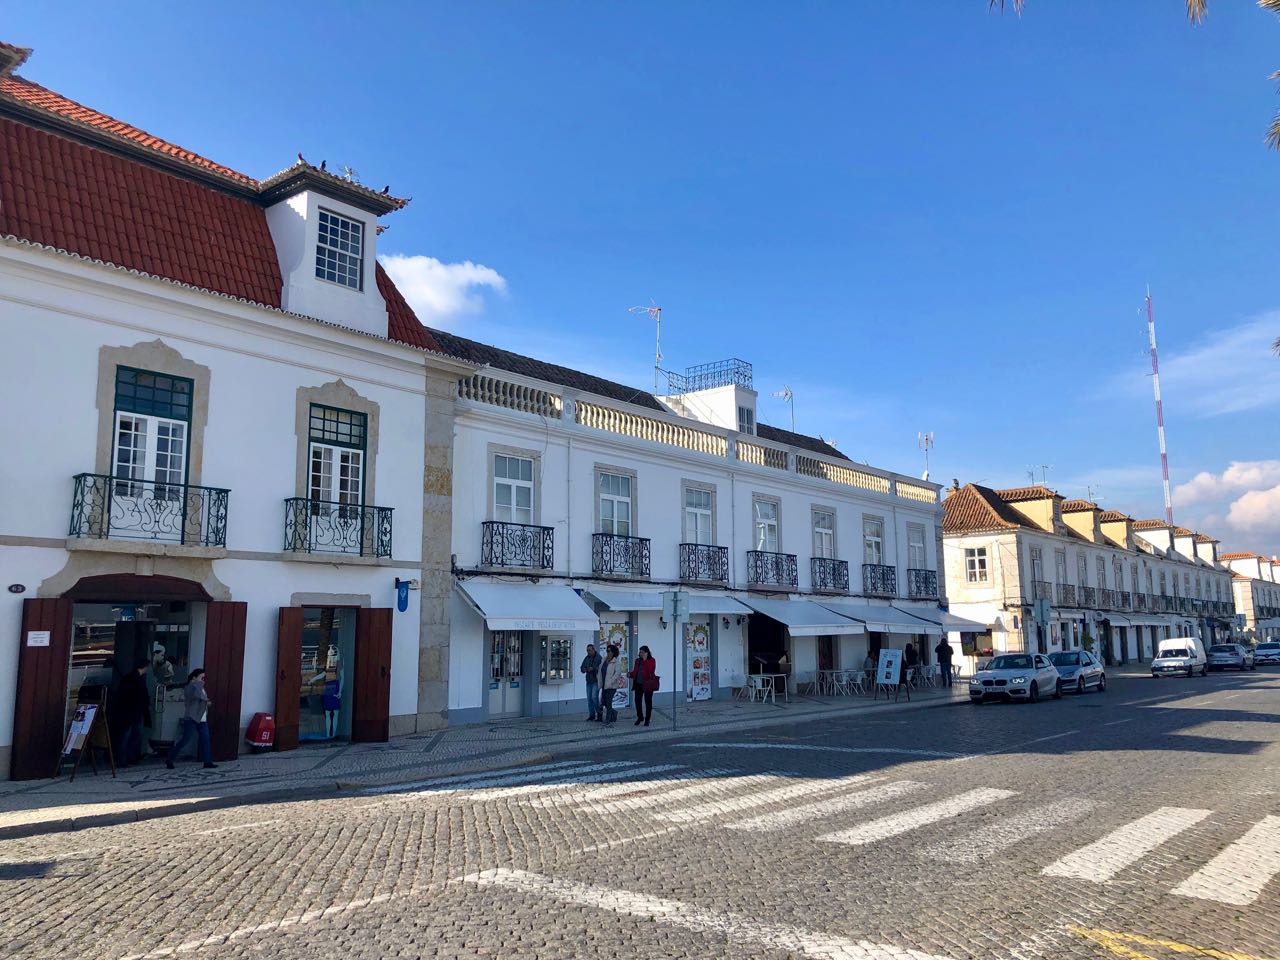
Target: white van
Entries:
(1180, 655)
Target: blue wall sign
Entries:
(402, 595)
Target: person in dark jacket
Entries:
(130, 712)
(642, 676)
(943, 650)
(591, 668)
(910, 657)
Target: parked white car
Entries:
(1180, 656)
(1016, 676)
(1079, 670)
(1267, 652)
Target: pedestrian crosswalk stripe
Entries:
(644, 790)
(831, 805)
(722, 926)
(573, 778)
(898, 823)
(1126, 845)
(667, 797)
(977, 846)
(714, 809)
(1238, 874)
(465, 780)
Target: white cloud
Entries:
(1227, 371)
(441, 292)
(1241, 476)
(1257, 512)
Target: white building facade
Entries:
(1255, 581)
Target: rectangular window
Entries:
(335, 455)
(1082, 568)
(1186, 584)
(1163, 585)
(1102, 573)
(746, 420)
(340, 250)
(765, 520)
(975, 564)
(1117, 571)
(824, 534)
(916, 556)
(153, 414)
(557, 652)
(1151, 585)
(697, 515)
(1060, 559)
(615, 504)
(872, 540)
(154, 394)
(1037, 564)
(512, 489)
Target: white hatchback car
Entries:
(1016, 676)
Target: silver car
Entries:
(1079, 670)
(1235, 655)
(1267, 652)
(1016, 676)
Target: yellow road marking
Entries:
(1117, 943)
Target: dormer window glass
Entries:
(340, 250)
(746, 420)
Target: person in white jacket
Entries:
(610, 680)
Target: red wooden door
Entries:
(224, 674)
(371, 709)
(40, 711)
(288, 677)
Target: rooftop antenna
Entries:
(654, 313)
(786, 394)
(1044, 473)
(1155, 380)
(924, 441)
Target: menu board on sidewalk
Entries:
(889, 669)
(697, 661)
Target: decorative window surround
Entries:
(339, 395)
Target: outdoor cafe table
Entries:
(778, 681)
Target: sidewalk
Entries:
(34, 807)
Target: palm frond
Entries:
(1276, 347)
(1196, 9)
(999, 5)
(1272, 5)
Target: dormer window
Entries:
(746, 420)
(340, 250)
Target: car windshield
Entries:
(1174, 653)
(1065, 659)
(1010, 663)
(1222, 648)
(1269, 646)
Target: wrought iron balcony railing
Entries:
(1041, 590)
(704, 562)
(1124, 600)
(879, 580)
(615, 555)
(1066, 594)
(113, 508)
(1089, 597)
(325, 526)
(1107, 598)
(922, 584)
(504, 544)
(772, 570)
(829, 575)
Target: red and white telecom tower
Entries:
(1155, 379)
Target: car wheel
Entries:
(1102, 683)
(1191, 672)
(1254, 665)
(1080, 685)
(1034, 693)
(1204, 671)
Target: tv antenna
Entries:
(1044, 469)
(790, 398)
(654, 313)
(924, 441)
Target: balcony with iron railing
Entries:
(1141, 602)
(1066, 594)
(113, 508)
(1124, 600)
(520, 545)
(922, 584)
(829, 575)
(879, 580)
(1089, 597)
(1106, 598)
(772, 571)
(325, 526)
(618, 555)
(704, 563)
(1041, 590)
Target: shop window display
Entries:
(328, 658)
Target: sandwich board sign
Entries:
(889, 673)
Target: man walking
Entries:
(130, 711)
(943, 650)
(591, 667)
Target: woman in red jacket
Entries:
(643, 682)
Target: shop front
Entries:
(785, 637)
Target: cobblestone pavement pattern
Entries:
(1132, 823)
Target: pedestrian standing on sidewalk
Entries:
(130, 712)
(591, 667)
(610, 677)
(195, 722)
(943, 650)
(643, 683)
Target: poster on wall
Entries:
(617, 635)
(697, 661)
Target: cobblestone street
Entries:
(1143, 821)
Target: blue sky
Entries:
(920, 216)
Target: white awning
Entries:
(884, 619)
(625, 599)
(1118, 621)
(950, 622)
(1271, 623)
(1068, 615)
(529, 606)
(1145, 622)
(802, 618)
(713, 603)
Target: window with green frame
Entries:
(153, 394)
(335, 460)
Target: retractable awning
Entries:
(1116, 620)
(529, 606)
(616, 599)
(711, 603)
(803, 618)
(1271, 623)
(1068, 614)
(884, 619)
(1145, 622)
(950, 622)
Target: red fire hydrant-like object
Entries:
(261, 735)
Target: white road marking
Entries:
(464, 780)
(1112, 723)
(823, 808)
(599, 795)
(961, 758)
(1104, 858)
(898, 823)
(778, 936)
(980, 844)
(681, 794)
(238, 826)
(1238, 874)
(572, 778)
(939, 754)
(715, 809)
(609, 844)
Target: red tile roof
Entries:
(1205, 538)
(1034, 492)
(12, 57)
(1239, 555)
(1112, 516)
(1183, 532)
(977, 509)
(402, 323)
(1075, 506)
(1151, 525)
